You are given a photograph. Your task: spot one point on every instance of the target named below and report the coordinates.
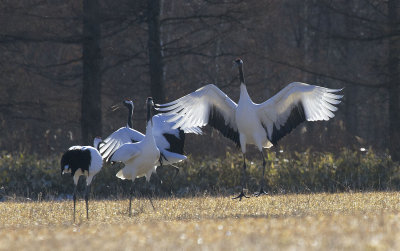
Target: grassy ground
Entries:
(348, 221)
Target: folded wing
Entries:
(294, 104)
(126, 152)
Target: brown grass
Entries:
(348, 221)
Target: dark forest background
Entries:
(63, 64)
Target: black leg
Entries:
(160, 159)
(262, 183)
(149, 196)
(87, 201)
(130, 200)
(173, 179)
(241, 195)
(177, 172)
(74, 198)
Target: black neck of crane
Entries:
(130, 116)
(241, 75)
(149, 111)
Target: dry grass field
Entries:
(347, 221)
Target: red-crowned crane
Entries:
(249, 123)
(82, 160)
(140, 158)
(169, 141)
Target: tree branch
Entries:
(303, 69)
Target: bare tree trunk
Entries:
(394, 81)
(351, 91)
(155, 51)
(91, 90)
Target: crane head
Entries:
(238, 61)
(128, 103)
(65, 162)
(150, 101)
(150, 107)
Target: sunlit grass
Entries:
(356, 221)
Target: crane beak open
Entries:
(115, 107)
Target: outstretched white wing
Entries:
(294, 104)
(117, 139)
(207, 105)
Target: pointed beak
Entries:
(115, 107)
(234, 64)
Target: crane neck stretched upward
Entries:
(130, 113)
(149, 126)
(244, 95)
(241, 75)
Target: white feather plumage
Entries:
(250, 123)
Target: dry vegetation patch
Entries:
(314, 221)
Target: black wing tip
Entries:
(217, 121)
(108, 159)
(109, 150)
(100, 145)
(296, 117)
(176, 144)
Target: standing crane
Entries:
(140, 158)
(169, 141)
(246, 122)
(82, 160)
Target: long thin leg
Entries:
(177, 172)
(173, 179)
(87, 201)
(149, 196)
(262, 183)
(243, 180)
(74, 198)
(130, 200)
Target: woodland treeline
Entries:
(63, 64)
